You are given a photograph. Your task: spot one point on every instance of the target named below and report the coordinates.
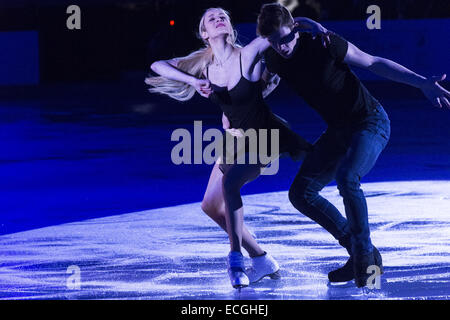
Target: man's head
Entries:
(275, 23)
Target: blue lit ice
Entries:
(178, 253)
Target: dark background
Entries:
(118, 36)
(87, 139)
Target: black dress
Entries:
(245, 108)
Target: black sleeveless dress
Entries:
(245, 108)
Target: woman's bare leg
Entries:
(213, 205)
(232, 182)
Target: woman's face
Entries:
(216, 23)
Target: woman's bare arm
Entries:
(255, 49)
(168, 69)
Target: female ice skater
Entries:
(230, 76)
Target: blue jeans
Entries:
(346, 155)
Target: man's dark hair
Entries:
(272, 17)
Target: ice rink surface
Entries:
(88, 185)
(178, 253)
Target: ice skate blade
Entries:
(239, 286)
(275, 276)
(342, 285)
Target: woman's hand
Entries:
(227, 127)
(438, 96)
(315, 28)
(238, 133)
(202, 86)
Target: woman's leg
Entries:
(213, 205)
(232, 181)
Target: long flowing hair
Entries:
(193, 64)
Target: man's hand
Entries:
(315, 28)
(438, 96)
(270, 81)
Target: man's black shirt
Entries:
(320, 76)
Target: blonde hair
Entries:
(193, 64)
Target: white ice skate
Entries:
(236, 270)
(263, 266)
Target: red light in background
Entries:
(172, 22)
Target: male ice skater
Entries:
(358, 128)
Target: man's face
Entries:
(283, 41)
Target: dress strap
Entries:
(240, 61)
(207, 72)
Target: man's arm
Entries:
(396, 72)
